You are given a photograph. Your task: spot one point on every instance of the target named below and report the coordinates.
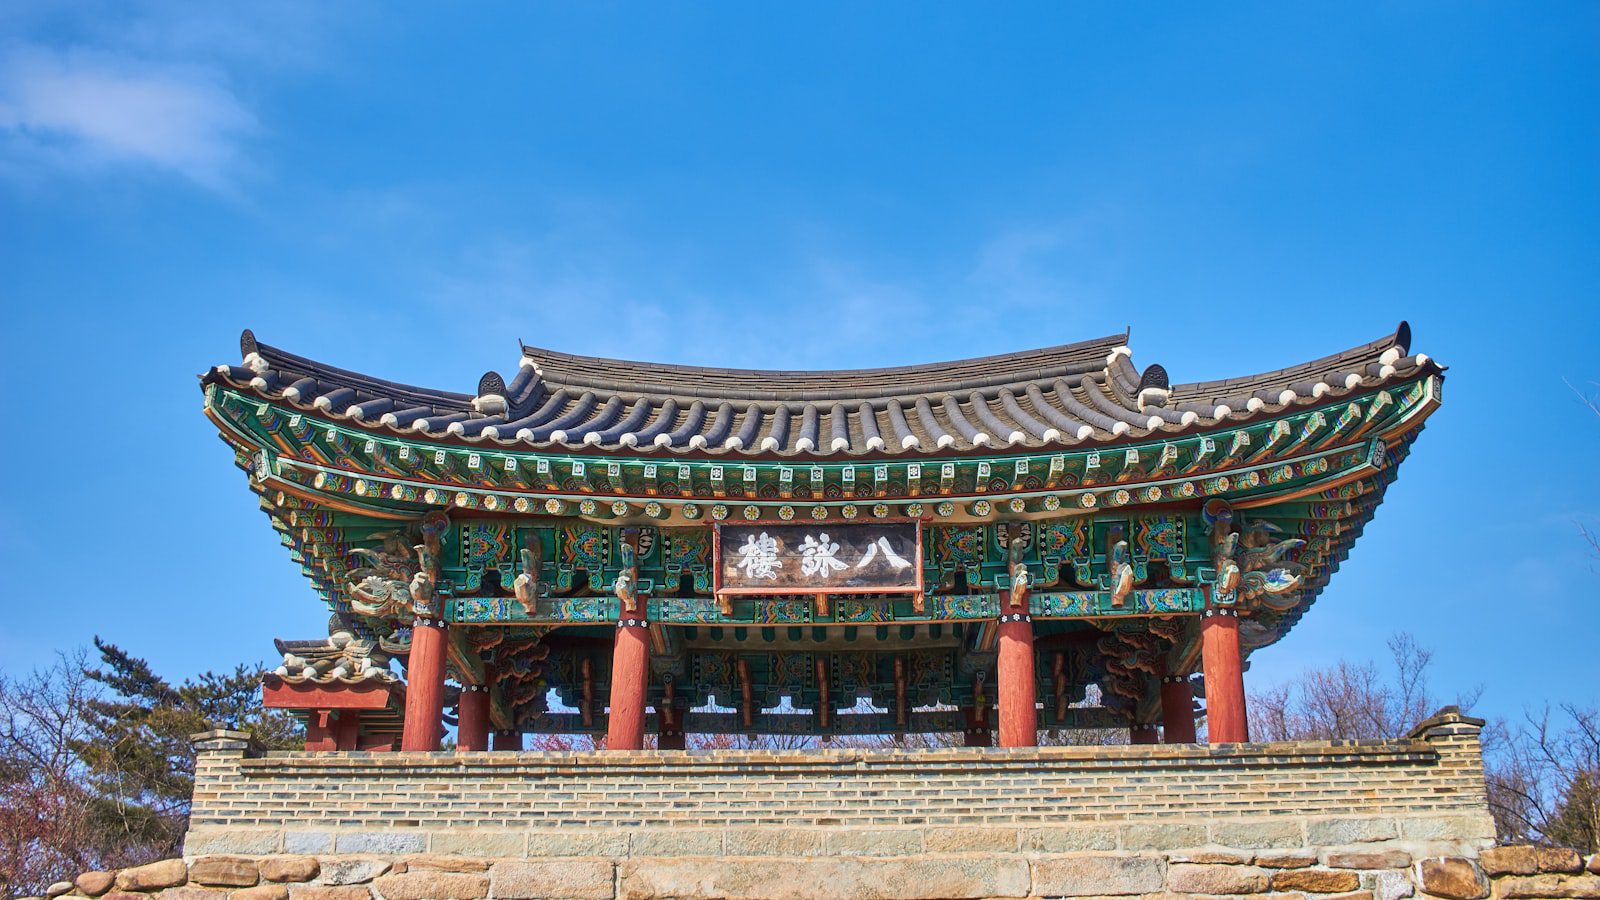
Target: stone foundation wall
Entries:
(1347, 819)
(1370, 872)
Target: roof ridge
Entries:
(779, 385)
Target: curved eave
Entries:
(1267, 462)
(1107, 407)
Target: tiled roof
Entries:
(1069, 395)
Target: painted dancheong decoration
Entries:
(1053, 531)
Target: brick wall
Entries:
(1427, 790)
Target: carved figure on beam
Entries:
(421, 589)
(1262, 579)
(380, 597)
(1021, 581)
(381, 589)
(627, 584)
(526, 585)
(1120, 564)
(1218, 516)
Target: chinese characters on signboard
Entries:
(820, 558)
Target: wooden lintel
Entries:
(285, 695)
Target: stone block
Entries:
(612, 844)
(123, 895)
(262, 892)
(1315, 881)
(1097, 875)
(676, 842)
(970, 840)
(1163, 836)
(1210, 858)
(329, 892)
(308, 842)
(1448, 828)
(224, 871)
(1452, 877)
(1529, 861)
(57, 889)
(1186, 878)
(1517, 887)
(579, 879)
(289, 868)
(1267, 834)
(351, 871)
(234, 841)
(1069, 839)
(874, 842)
(153, 877)
(1368, 859)
(1336, 832)
(95, 883)
(191, 892)
(382, 843)
(438, 863)
(482, 843)
(772, 842)
(1392, 885)
(432, 885)
(955, 876)
(1593, 868)
(1298, 860)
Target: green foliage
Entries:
(138, 756)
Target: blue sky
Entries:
(407, 190)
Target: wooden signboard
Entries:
(819, 558)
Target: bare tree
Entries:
(48, 828)
(1351, 701)
(1544, 779)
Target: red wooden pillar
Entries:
(977, 733)
(347, 729)
(1226, 722)
(508, 740)
(1142, 733)
(1177, 709)
(1018, 691)
(424, 725)
(630, 676)
(472, 728)
(319, 730)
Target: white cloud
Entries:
(85, 110)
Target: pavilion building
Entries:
(970, 546)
